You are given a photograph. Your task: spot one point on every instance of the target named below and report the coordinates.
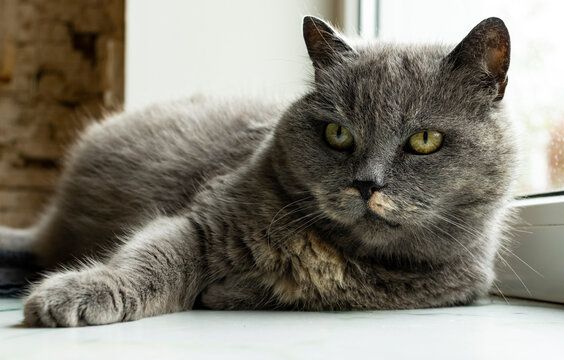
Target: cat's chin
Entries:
(373, 229)
(379, 220)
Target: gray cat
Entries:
(385, 187)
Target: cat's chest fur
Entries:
(304, 273)
(305, 269)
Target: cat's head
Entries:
(398, 141)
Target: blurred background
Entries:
(66, 62)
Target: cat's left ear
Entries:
(485, 50)
(324, 45)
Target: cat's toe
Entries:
(72, 299)
(50, 308)
(37, 313)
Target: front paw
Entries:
(80, 298)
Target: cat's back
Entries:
(200, 129)
(157, 158)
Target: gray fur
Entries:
(242, 205)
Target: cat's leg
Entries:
(160, 269)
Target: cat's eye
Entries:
(425, 142)
(338, 137)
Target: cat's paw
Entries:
(74, 299)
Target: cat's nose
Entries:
(367, 188)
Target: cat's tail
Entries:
(16, 239)
(17, 262)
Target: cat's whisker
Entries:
(318, 216)
(459, 223)
(298, 220)
(278, 212)
(458, 242)
(273, 227)
(507, 249)
(520, 229)
(309, 223)
(500, 292)
(291, 224)
(514, 272)
(477, 233)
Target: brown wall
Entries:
(61, 63)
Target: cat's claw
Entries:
(73, 299)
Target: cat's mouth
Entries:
(373, 216)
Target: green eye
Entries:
(338, 137)
(425, 142)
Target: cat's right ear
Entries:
(324, 45)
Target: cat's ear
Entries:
(324, 45)
(485, 50)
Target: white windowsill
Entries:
(489, 329)
(537, 240)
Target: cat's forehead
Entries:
(389, 78)
(396, 65)
(384, 71)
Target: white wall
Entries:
(176, 48)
